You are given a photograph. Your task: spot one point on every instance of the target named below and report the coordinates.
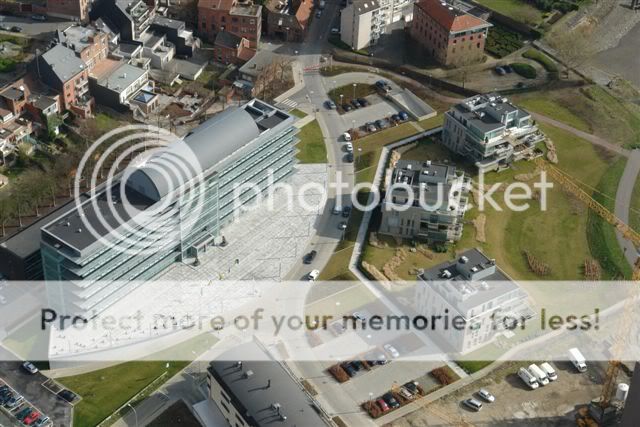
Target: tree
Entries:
(574, 47)
(7, 213)
(527, 15)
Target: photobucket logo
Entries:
(146, 190)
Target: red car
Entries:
(31, 418)
(383, 405)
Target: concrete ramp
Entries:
(412, 104)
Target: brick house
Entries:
(60, 69)
(88, 43)
(231, 49)
(451, 36)
(290, 21)
(77, 10)
(243, 19)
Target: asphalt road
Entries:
(33, 28)
(623, 202)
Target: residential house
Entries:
(60, 69)
(176, 33)
(77, 10)
(490, 131)
(435, 198)
(450, 35)
(240, 18)
(90, 44)
(289, 21)
(231, 49)
(249, 74)
(115, 83)
(475, 291)
(361, 23)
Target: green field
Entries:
(516, 9)
(298, 113)
(311, 146)
(348, 92)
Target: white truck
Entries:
(540, 375)
(577, 359)
(321, 4)
(528, 378)
(548, 369)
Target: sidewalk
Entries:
(298, 82)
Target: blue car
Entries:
(403, 115)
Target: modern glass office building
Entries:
(165, 210)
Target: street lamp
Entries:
(341, 96)
(354, 91)
(134, 412)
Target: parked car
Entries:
(500, 71)
(349, 147)
(507, 68)
(308, 258)
(390, 400)
(30, 368)
(472, 404)
(403, 115)
(350, 157)
(346, 211)
(346, 137)
(337, 209)
(39, 17)
(391, 350)
(21, 415)
(548, 369)
(357, 365)
(379, 124)
(355, 103)
(67, 395)
(412, 386)
(5, 397)
(363, 102)
(5, 28)
(383, 405)
(330, 105)
(383, 86)
(486, 395)
(16, 29)
(335, 30)
(342, 225)
(371, 127)
(13, 402)
(346, 107)
(42, 421)
(396, 117)
(31, 418)
(381, 359)
(350, 370)
(312, 276)
(318, 14)
(406, 393)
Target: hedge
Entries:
(541, 59)
(525, 70)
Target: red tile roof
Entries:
(453, 20)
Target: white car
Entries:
(486, 395)
(313, 275)
(346, 136)
(30, 367)
(335, 30)
(349, 147)
(3, 300)
(391, 350)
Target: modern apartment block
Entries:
(442, 191)
(252, 389)
(241, 18)
(450, 35)
(246, 144)
(474, 288)
(361, 23)
(490, 131)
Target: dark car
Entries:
(370, 127)
(507, 68)
(39, 17)
(363, 102)
(383, 86)
(16, 29)
(403, 115)
(24, 413)
(349, 157)
(346, 211)
(347, 107)
(308, 258)
(379, 124)
(396, 117)
(357, 365)
(500, 71)
(412, 387)
(391, 401)
(5, 397)
(11, 403)
(330, 105)
(67, 395)
(349, 369)
(355, 103)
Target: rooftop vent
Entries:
(446, 274)
(464, 260)
(484, 285)
(79, 230)
(248, 374)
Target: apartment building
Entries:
(252, 389)
(288, 21)
(89, 44)
(114, 83)
(244, 144)
(439, 193)
(361, 23)
(474, 288)
(77, 10)
(63, 71)
(490, 131)
(396, 11)
(231, 49)
(450, 35)
(239, 17)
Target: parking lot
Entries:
(552, 405)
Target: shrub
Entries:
(339, 374)
(541, 59)
(442, 375)
(525, 70)
(502, 41)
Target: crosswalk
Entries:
(287, 104)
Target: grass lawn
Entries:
(471, 366)
(347, 91)
(105, 123)
(311, 146)
(516, 9)
(298, 113)
(541, 59)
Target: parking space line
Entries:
(21, 404)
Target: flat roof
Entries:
(168, 22)
(263, 390)
(122, 77)
(64, 62)
(77, 37)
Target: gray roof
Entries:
(260, 385)
(227, 39)
(12, 93)
(64, 62)
(76, 37)
(485, 111)
(258, 62)
(167, 22)
(487, 283)
(123, 77)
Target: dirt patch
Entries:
(552, 155)
(479, 224)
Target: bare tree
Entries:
(7, 213)
(574, 47)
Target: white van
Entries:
(313, 275)
(548, 369)
(528, 378)
(577, 359)
(540, 375)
